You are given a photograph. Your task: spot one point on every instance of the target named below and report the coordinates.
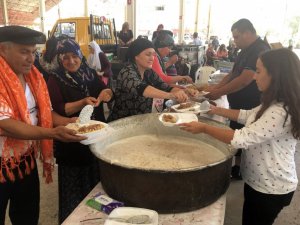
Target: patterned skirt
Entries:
(74, 184)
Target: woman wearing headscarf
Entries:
(137, 84)
(71, 87)
(98, 61)
(163, 44)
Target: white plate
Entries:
(203, 110)
(92, 137)
(126, 212)
(194, 109)
(181, 118)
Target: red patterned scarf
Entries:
(13, 105)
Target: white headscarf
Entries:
(93, 59)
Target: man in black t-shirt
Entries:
(239, 85)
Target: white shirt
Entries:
(268, 163)
(197, 41)
(31, 107)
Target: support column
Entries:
(86, 8)
(208, 23)
(42, 15)
(4, 12)
(130, 16)
(181, 21)
(196, 16)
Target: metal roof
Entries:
(24, 12)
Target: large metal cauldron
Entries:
(164, 191)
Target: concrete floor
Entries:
(289, 216)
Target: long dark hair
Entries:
(284, 68)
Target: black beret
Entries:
(137, 46)
(21, 35)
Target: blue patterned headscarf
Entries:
(82, 76)
(69, 45)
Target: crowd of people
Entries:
(36, 102)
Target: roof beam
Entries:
(42, 15)
(4, 12)
(18, 13)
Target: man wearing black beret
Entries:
(26, 125)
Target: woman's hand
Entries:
(213, 110)
(90, 101)
(179, 96)
(186, 79)
(104, 96)
(193, 127)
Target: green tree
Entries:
(294, 25)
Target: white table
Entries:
(210, 215)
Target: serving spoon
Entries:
(137, 219)
(85, 114)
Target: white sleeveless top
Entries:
(31, 107)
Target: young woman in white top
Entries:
(269, 137)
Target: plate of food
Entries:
(192, 107)
(169, 119)
(91, 129)
(172, 119)
(187, 107)
(132, 215)
(195, 92)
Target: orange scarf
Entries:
(13, 105)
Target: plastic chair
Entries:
(203, 73)
(219, 64)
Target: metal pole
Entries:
(196, 16)
(4, 12)
(58, 10)
(42, 15)
(134, 19)
(208, 23)
(131, 15)
(181, 22)
(86, 8)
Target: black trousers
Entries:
(262, 209)
(23, 196)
